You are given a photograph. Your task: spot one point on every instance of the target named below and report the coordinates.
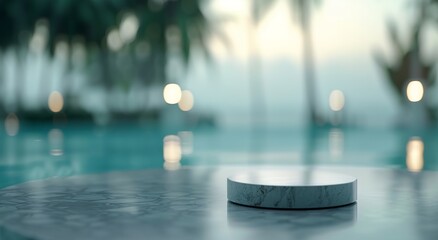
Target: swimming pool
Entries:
(43, 151)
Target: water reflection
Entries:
(12, 124)
(186, 138)
(171, 166)
(56, 142)
(336, 143)
(172, 149)
(306, 223)
(415, 154)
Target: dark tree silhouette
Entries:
(409, 64)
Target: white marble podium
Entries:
(291, 189)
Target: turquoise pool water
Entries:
(38, 152)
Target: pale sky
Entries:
(344, 35)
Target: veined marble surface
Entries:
(291, 189)
(191, 204)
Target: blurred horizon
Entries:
(345, 37)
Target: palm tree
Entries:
(9, 34)
(302, 9)
(91, 21)
(432, 10)
(85, 21)
(258, 108)
(17, 18)
(409, 64)
(184, 20)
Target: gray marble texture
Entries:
(291, 189)
(191, 203)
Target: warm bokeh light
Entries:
(56, 101)
(186, 102)
(172, 149)
(415, 91)
(114, 41)
(128, 28)
(12, 124)
(415, 155)
(172, 93)
(336, 100)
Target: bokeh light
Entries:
(128, 28)
(415, 91)
(415, 155)
(172, 93)
(172, 149)
(12, 124)
(336, 100)
(56, 101)
(186, 102)
(114, 40)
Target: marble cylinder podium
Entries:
(299, 189)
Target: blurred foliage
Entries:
(409, 64)
(432, 10)
(165, 28)
(259, 8)
(399, 73)
(301, 11)
(90, 20)
(171, 26)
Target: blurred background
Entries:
(93, 86)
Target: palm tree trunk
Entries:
(2, 82)
(19, 79)
(45, 83)
(309, 65)
(258, 109)
(68, 84)
(105, 76)
(257, 97)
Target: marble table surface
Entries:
(191, 203)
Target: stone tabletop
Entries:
(191, 203)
